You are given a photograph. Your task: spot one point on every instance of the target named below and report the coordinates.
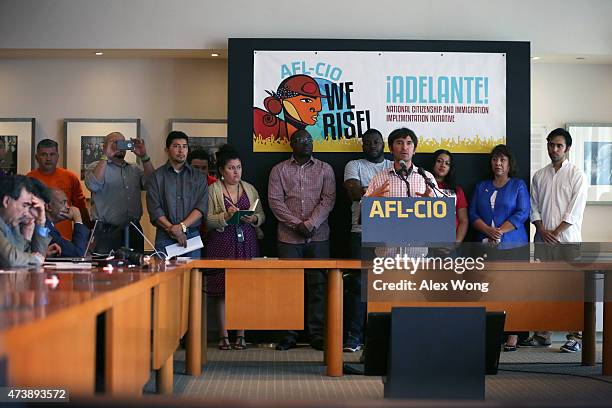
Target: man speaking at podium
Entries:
(404, 179)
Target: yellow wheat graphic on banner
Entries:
(426, 145)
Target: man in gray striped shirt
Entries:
(301, 193)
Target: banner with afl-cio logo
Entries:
(452, 100)
(405, 221)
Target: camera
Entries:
(130, 256)
(125, 145)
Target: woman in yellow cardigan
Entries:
(229, 234)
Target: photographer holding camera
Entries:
(115, 187)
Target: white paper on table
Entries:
(67, 265)
(192, 244)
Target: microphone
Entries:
(421, 172)
(403, 168)
(403, 174)
(430, 183)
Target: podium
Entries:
(429, 357)
(407, 221)
(424, 362)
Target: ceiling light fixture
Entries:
(99, 53)
(535, 58)
(214, 54)
(580, 58)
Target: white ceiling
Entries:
(557, 29)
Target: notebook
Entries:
(235, 220)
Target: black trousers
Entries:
(354, 307)
(110, 237)
(315, 279)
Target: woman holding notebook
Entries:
(234, 217)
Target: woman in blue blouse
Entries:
(500, 206)
(498, 211)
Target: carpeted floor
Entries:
(298, 374)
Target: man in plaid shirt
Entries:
(403, 179)
(301, 194)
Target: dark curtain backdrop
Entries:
(471, 168)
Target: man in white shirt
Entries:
(357, 176)
(558, 199)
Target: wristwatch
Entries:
(184, 227)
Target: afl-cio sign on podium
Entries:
(405, 221)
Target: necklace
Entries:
(229, 195)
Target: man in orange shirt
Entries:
(47, 172)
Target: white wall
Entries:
(553, 26)
(575, 93)
(153, 90)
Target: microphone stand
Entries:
(431, 184)
(401, 173)
(435, 188)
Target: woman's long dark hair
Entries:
(449, 180)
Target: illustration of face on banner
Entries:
(454, 101)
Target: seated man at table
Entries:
(23, 246)
(59, 210)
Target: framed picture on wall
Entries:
(539, 152)
(84, 139)
(17, 144)
(206, 134)
(592, 152)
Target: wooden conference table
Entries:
(49, 322)
(48, 329)
(267, 294)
